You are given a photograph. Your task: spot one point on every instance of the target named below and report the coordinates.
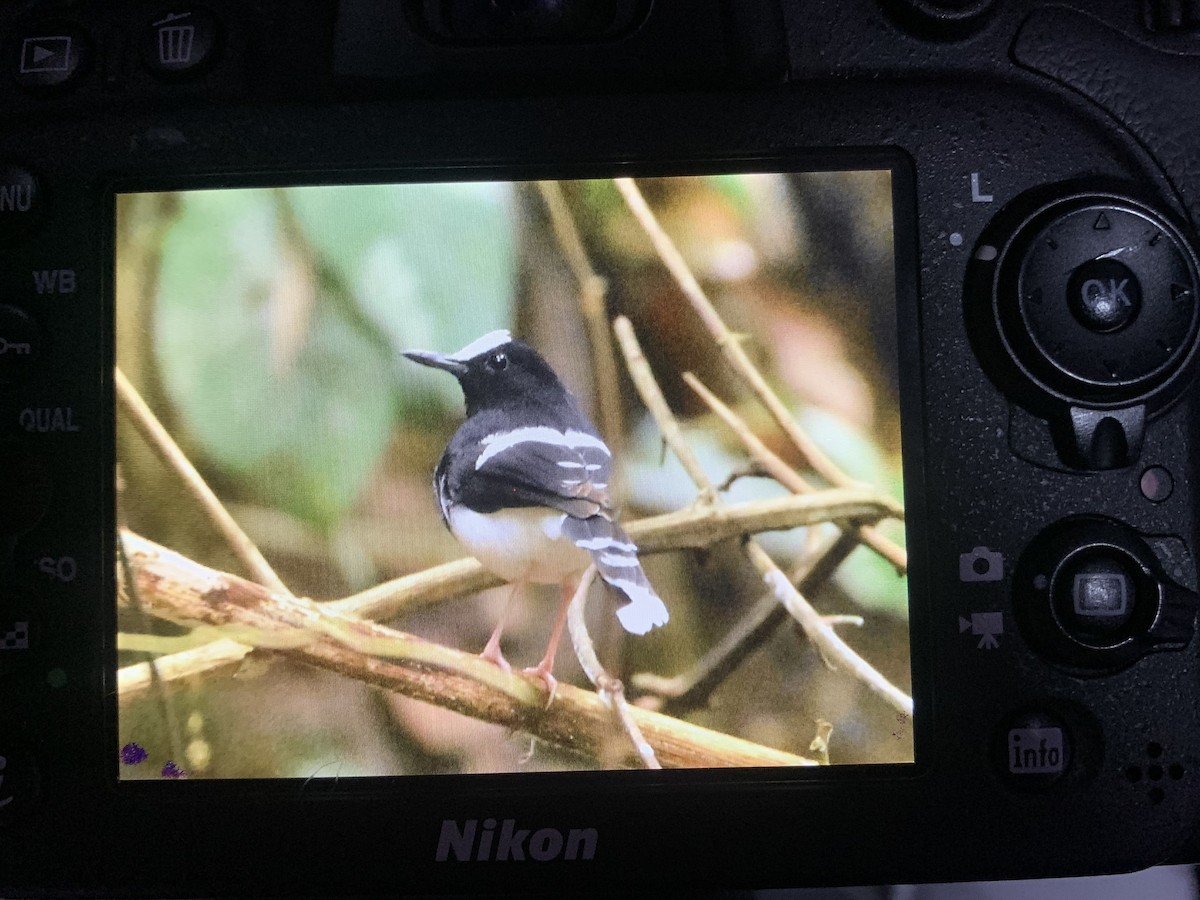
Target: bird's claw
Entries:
(494, 656)
(542, 673)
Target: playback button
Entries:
(50, 54)
(20, 343)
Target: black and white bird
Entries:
(523, 485)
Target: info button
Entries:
(1037, 748)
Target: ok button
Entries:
(1104, 295)
(20, 342)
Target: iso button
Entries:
(21, 203)
(20, 342)
(181, 41)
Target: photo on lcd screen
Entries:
(473, 477)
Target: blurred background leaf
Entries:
(279, 308)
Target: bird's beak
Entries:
(437, 361)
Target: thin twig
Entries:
(831, 647)
(592, 305)
(728, 341)
(656, 403)
(180, 590)
(786, 475)
(837, 653)
(164, 445)
(683, 693)
(610, 689)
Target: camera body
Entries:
(1047, 189)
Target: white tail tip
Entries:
(644, 612)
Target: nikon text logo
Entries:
(469, 842)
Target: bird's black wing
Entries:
(534, 466)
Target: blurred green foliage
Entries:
(281, 315)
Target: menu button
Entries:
(21, 202)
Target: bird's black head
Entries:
(497, 372)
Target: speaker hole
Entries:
(1154, 750)
(1155, 773)
(1176, 772)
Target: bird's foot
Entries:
(542, 672)
(493, 655)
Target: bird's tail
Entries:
(615, 556)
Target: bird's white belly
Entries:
(524, 544)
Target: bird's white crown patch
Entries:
(482, 344)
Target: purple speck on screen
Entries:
(170, 770)
(132, 754)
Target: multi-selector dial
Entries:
(1088, 307)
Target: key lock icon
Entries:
(4, 801)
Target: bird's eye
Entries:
(497, 361)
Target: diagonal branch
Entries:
(831, 647)
(610, 689)
(592, 305)
(785, 475)
(164, 445)
(727, 341)
(180, 590)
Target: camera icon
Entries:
(981, 564)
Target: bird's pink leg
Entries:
(543, 669)
(491, 651)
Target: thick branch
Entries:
(178, 589)
(698, 527)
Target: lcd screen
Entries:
(501, 477)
